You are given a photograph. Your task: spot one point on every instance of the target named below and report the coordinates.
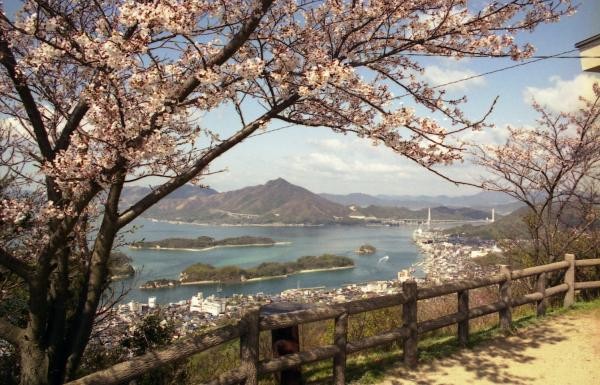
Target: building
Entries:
(196, 302)
(214, 306)
(405, 275)
(590, 50)
(211, 305)
(151, 302)
(134, 307)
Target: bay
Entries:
(395, 242)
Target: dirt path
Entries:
(561, 350)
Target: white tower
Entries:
(429, 216)
(493, 215)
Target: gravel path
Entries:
(561, 350)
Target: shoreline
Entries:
(323, 269)
(175, 222)
(269, 277)
(210, 247)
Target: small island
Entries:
(201, 273)
(160, 284)
(366, 249)
(203, 243)
(119, 266)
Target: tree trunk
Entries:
(34, 364)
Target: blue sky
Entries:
(323, 161)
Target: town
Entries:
(445, 258)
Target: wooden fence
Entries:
(252, 322)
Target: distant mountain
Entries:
(357, 199)
(279, 201)
(437, 213)
(275, 201)
(133, 193)
(482, 200)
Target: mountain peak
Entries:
(278, 182)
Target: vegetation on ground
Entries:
(206, 272)
(366, 249)
(203, 242)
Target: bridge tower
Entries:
(429, 217)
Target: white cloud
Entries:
(334, 164)
(329, 144)
(437, 75)
(562, 95)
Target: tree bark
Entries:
(34, 364)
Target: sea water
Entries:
(395, 242)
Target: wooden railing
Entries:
(252, 323)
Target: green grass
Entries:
(370, 367)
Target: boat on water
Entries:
(384, 259)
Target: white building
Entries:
(134, 307)
(151, 302)
(211, 305)
(374, 287)
(196, 302)
(214, 306)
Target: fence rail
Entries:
(252, 322)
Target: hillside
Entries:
(202, 272)
(441, 213)
(484, 200)
(134, 193)
(279, 201)
(509, 226)
(202, 242)
(275, 201)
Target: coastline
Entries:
(324, 269)
(228, 282)
(211, 247)
(174, 222)
(270, 277)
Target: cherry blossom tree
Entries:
(98, 94)
(554, 170)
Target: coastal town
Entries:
(444, 258)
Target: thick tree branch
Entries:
(10, 332)
(97, 278)
(15, 265)
(35, 118)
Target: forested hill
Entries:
(510, 226)
(279, 201)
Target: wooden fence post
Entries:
(409, 318)
(570, 280)
(505, 296)
(463, 310)
(249, 345)
(340, 340)
(540, 287)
